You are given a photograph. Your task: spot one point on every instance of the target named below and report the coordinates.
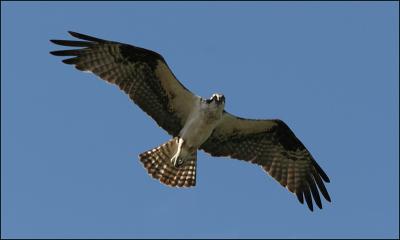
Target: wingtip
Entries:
(53, 53)
(72, 33)
(76, 34)
(327, 180)
(321, 172)
(56, 41)
(328, 198)
(70, 60)
(86, 37)
(300, 197)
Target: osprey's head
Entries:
(217, 99)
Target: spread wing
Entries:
(142, 74)
(272, 145)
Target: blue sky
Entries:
(70, 142)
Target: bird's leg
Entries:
(176, 160)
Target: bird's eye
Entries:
(208, 100)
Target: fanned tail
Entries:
(158, 164)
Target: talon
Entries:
(179, 163)
(176, 161)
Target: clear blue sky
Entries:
(70, 142)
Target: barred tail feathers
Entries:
(158, 164)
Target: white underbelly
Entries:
(196, 133)
(199, 127)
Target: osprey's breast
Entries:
(200, 124)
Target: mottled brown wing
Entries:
(272, 145)
(142, 74)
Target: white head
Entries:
(217, 99)
(215, 102)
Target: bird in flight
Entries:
(196, 123)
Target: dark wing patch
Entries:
(140, 73)
(286, 137)
(272, 145)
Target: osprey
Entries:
(195, 122)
